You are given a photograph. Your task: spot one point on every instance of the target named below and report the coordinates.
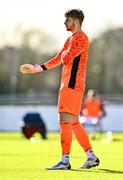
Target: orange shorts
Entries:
(70, 100)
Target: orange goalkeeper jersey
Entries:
(73, 56)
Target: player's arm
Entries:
(52, 63)
(56, 61)
(84, 108)
(78, 45)
(102, 110)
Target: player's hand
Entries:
(29, 68)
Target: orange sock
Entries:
(81, 135)
(66, 137)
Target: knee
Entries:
(74, 122)
(65, 117)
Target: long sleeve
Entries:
(52, 63)
(55, 61)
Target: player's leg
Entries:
(80, 134)
(82, 137)
(66, 139)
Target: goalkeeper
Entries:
(73, 57)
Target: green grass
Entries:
(22, 159)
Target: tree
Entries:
(104, 71)
(12, 81)
(106, 62)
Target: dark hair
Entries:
(93, 91)
(75, 13)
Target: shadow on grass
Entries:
(99, 170)
(111, 171)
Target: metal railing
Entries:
(43, 99)
(48, 99)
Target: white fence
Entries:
(11, 117)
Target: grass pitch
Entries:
(22, 159)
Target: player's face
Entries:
(69, 23)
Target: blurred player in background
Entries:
(92, 112)
(73, 57)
